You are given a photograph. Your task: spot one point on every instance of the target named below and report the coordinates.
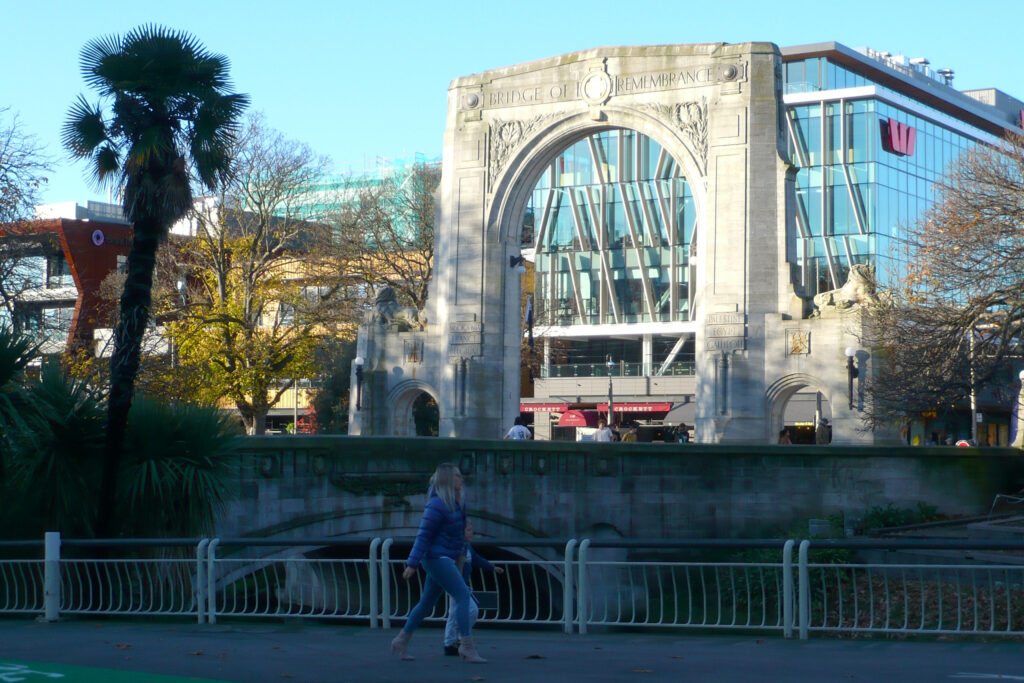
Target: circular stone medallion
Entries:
(596, 87)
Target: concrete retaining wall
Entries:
(339, 486)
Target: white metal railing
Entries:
(914, 597)
(21, 587)
(577, 585)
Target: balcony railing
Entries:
(678, 368)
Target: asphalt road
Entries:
(313, 651)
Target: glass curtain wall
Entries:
(856, 196)
(612, 218)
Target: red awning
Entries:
(578, 418)
(543, 407)
(636, 407)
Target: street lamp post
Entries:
(851, 371)
(611, 400)
(359, 382)
(181, 285)
(974, 397)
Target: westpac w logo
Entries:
(901, 138)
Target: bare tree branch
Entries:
(953, 325)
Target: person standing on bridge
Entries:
(439, 545)
(519, 430)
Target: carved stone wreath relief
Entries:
(507, 136)
(690, 118)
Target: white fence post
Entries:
(51, 576)
(805, 590)
(211, 582)
(374, 592)
(385, 582)
(201, 579)
(787, 588)
(581, 585)
(567, 585)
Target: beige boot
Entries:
(467, 650)
(400, 644)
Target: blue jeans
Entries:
(442, 576)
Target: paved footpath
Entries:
(162, 652)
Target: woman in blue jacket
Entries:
(439, 544)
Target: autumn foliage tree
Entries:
(953, 325)
(248, 299)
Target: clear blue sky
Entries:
(360, 79)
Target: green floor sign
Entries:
(14, 672)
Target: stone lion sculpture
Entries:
(859, 289)
(389, 312)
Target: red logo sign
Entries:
(901, 138)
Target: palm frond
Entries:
(106, 161)
(96, 53)
(85, 129)
(16, 352)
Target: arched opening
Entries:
(415, 410)
(609, 224)
(425, 415)
(799, 406)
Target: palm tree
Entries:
(172, 116)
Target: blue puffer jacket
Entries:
(442, 532)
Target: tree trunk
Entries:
(124, 364)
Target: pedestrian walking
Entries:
(473, 561)
(439, 546)
(784, 439)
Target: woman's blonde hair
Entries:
(443, 482)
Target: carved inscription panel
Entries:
(595, 85)
(725, 331)
(465, 339)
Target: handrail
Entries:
(915, 544)
(559, 543)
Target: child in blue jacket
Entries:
(473, 561)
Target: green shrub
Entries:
(172, 478)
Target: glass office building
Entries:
(869, 158)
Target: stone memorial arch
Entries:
(717, 110)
